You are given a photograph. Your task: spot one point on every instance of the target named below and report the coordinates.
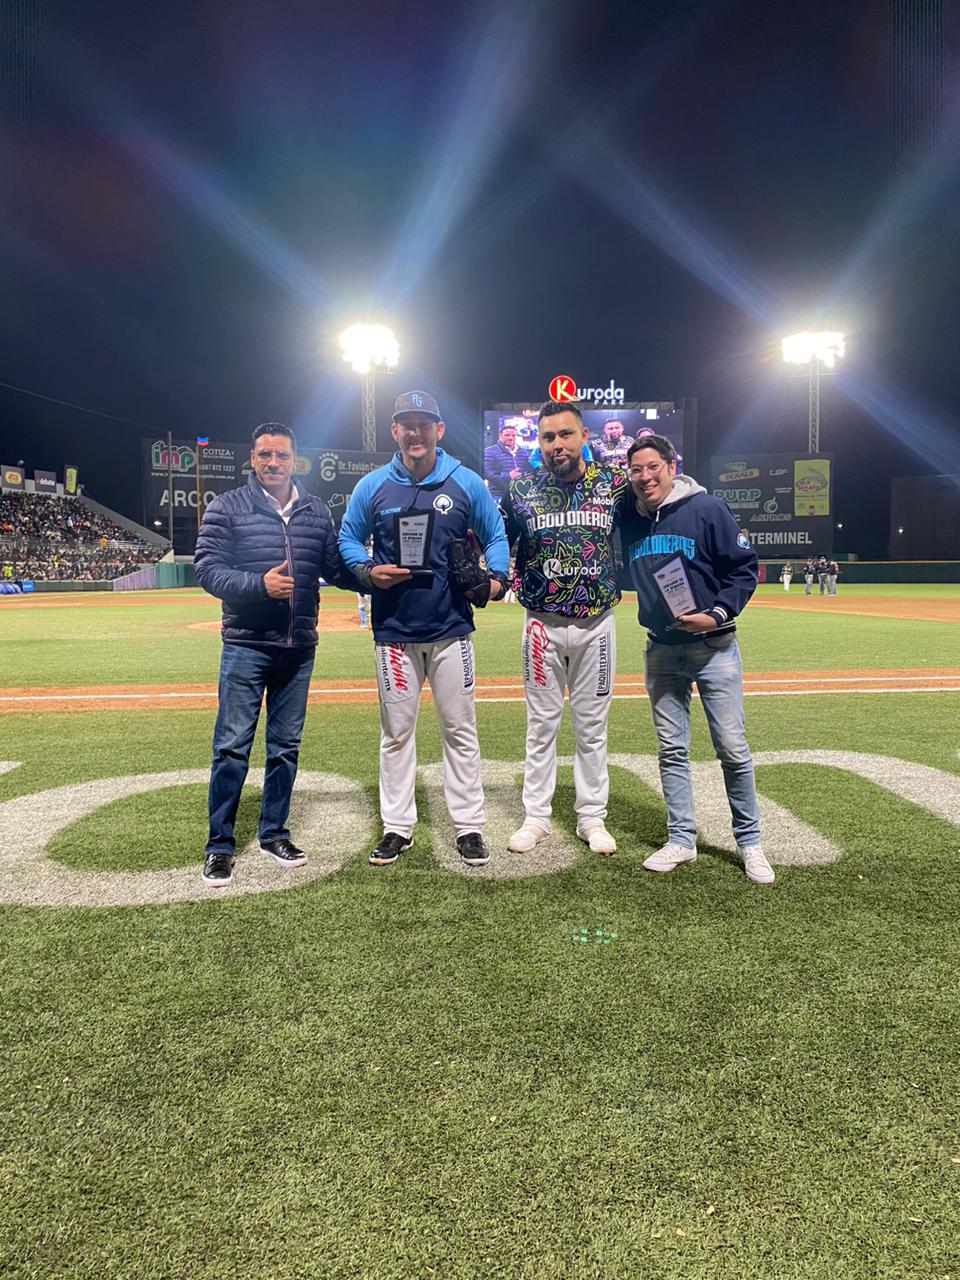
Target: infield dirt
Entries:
(152, 697)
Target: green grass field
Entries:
(412, 1073)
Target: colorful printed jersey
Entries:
(565, 561)
(614, 455)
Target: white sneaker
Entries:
(598, 838)
(527, 838)
(755, 864)
(669, 857)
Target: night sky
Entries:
(198, 197)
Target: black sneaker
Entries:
(218, 869)
(389, 849)
(472, 849)
(285, 852)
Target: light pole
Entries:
(366, 348)
(818, 351)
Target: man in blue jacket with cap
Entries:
(261, 550)
(694, 572)
(416, 508)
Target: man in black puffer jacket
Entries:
(261, 550)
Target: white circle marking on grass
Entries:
(333, 818)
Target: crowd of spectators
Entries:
(58, 539)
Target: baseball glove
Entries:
(465, 573)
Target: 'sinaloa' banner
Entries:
(331, 474)
(783, 501)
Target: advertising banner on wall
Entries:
(783, 501)
(11, 477)
(71, 477)
(170, 475)
(334, 473)
(45, 481)
(329, 473)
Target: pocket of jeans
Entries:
(720, 642)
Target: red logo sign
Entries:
(395, 658)
(539, 643)
(562, 389)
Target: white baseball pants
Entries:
(401, 671)
(578, 654)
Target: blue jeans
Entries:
(246, 673)
(671, 670)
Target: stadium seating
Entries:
(60, 539)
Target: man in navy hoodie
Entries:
(421, 627)
(671, 527)
(261, 550)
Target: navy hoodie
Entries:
(720, 562)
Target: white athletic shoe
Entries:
(670, 857)
(598, 838)
(526, 838)
(755, 864)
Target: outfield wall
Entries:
(177, 573)
(65, 584)
(879, 570)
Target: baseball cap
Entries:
(417, 402)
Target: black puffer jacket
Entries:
(241, 538)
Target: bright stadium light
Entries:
(367, 348)
(817, 351)
(801, 348)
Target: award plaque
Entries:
(675, 589)
(414, 531)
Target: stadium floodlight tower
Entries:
(820, 353)
(367, 348)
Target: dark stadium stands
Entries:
(60, 539)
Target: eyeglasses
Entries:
(649, 469)
(281, 455)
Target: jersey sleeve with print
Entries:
(565, 561)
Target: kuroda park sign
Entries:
(334, 819)
(564, 390)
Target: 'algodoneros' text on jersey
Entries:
(720, 563)
(565, 561)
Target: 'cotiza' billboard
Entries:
(171, 476)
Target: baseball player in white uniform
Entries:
(562, 518)
(415, 508)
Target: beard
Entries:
(563, 470)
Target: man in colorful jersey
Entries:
(261, 550)
(669, 523)
(421, 628)
(613, 446)
(566, 579)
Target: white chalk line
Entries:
(806, 691)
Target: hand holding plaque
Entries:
(414, 532)
(675, 589)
